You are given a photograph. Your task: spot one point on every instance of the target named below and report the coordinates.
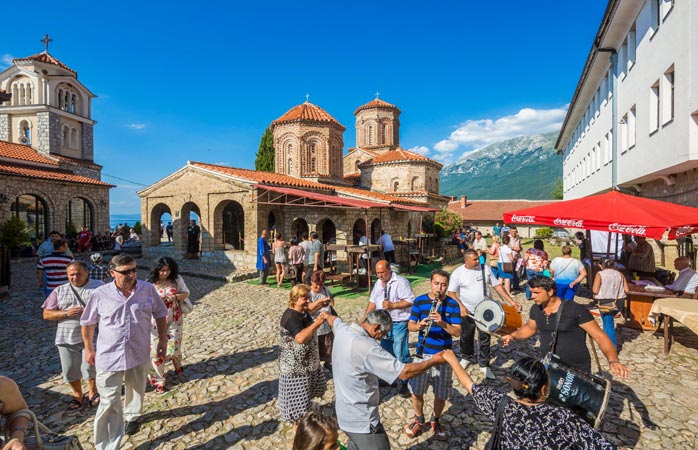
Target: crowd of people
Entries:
(315, 343)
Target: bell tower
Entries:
(377, 126)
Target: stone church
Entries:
(49, 177)
(376, 185)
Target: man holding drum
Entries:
(468, 287)
(574, 324)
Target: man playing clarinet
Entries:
(437, 319)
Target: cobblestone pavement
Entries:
(228, 399)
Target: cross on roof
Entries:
(377, 95)
(46, 40)
(307, 96)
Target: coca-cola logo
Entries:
(573, 223)
(684, 231)
(638, 230)
(523, 219)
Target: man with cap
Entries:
(97, 270)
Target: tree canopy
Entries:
(265, 153)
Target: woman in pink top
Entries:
(536, 260)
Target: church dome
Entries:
(46, 58)
(306, 112)
(376, 103)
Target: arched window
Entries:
(74, 138)
(370, 135)
(384, 133)
(31, 210)
(78, 213)
(234, 226)
(396, 186)
(415, 184)
(25, 136)
(290, 166)
(73, 101)
(312, 164)
(65, 136)
(356, 165)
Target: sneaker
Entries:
(438, 430)
(404, 391)
(464, 363)
(415, 428)
(488, 373)
(131, 428)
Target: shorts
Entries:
(504, 275)
(73, 364)
(440, 377)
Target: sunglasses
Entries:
(126, 272)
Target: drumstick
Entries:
(484, 325)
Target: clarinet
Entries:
(419, 352)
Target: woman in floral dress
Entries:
(170, 285)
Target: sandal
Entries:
(94, 400)
(74, 404)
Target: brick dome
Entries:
(306, 112)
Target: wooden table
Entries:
(405, 247)
(684, 310)
(638, 305)
(354, 253)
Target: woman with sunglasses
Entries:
(527, 421)
(172, 290)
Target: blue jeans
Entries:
(609, 326)
(530, 274)
(565, 292)
(397, 342)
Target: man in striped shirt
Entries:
(51, 270)
(437, 318)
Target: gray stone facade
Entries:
(4, 127)
(48, 131)
(87, 137)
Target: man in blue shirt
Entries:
(263, 258)
(437, 319)
(46, 248)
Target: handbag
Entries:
(495, 442)
(53, 441)
(508, 267)
(186, 306)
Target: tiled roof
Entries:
(373, 194)
(353, 175)
(45, 57)
(307, 111)
(81, 162)
(399, 155)
(377, 103)
(24, 153)
(49, 175)
(491, 210)
(255, 176)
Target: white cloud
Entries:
(221, 163)
(137, 126)
(6, 60)
(420, 149)
(473, 134)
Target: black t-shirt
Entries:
(294, 322)
(571, 345)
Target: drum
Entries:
(493, 317)
(583, 393)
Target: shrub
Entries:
(13, 233)
(544, 232)
(138, 228)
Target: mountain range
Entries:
(526, 167)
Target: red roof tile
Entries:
(399, 155)
(24, 153)
(377, 103)
(45, 57)
(373, 194)
(307, 111)
(49, 175)
(491, 210)
(255, 176)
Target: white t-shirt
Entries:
(398, 289)
(468, 284)
(505, 253)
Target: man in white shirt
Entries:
(466, 286)
(480, 246)
(386, 243)
(687, 279)
(393, 293)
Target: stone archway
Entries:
(327, 231)
(233, 230)
(152, 235)
(78, 213)
(358, 230)
(298, 227)
(189, 211)
(33, 211)
(375, 230)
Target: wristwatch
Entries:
(19, 428)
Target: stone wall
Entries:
(4, 127)
(683, 191)
(56, 196)
(87, 138)
(375, 118)
(48, 132)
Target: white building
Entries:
(645, 112)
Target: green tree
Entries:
(557, 190)
(544, 232)
(448, 220)
(265, 153)
(138, 228)
(13, 233)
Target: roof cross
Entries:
(46, 40)
(307, 96)
(377, 95)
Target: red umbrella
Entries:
(614, 212)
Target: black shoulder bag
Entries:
(495, 442)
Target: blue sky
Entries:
(179, 81)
